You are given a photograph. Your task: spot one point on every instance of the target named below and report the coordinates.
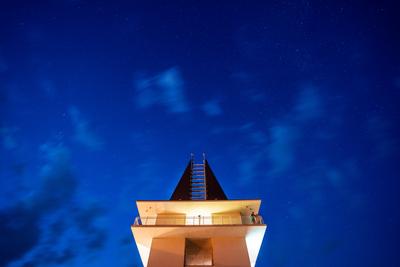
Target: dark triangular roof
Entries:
(213, 188)
(182, 190)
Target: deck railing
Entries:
(182, 220)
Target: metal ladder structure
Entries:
(198, 184)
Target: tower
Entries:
(198, 226)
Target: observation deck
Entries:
(181, 220)
(198, 225)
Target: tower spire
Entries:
(198, 182)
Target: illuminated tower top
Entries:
(198, 226)
(198, 182)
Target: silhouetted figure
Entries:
(253, 217)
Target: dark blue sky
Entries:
(294, 102)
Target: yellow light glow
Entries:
(198, 216)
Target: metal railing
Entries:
(182, 220)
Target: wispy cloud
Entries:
(335, 177)
(379, 131)
(281, 150)
(165, 89)
(212, 108)
(47, 86)
(7, 135)
(171, 84)
(277, 145)
(82, 132)
(35, 229)
(248, 170)
(308, 105)
(285, 133)
(258, 137)
(55, 171)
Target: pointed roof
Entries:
(213, 188)
(182, 190)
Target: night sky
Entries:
(294, 102)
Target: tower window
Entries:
(198, 252)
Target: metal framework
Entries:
(198, 182)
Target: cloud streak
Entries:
(19, 224)
(379, 131)
(284, 135)
(308, 105)
(280, 150)
(27, 236)
(277, 145)
(82, 132)
(212, 108)
(7, 134)
(165, 89)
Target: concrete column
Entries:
(167, 252)
(230, 251)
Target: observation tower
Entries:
(198, 226)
